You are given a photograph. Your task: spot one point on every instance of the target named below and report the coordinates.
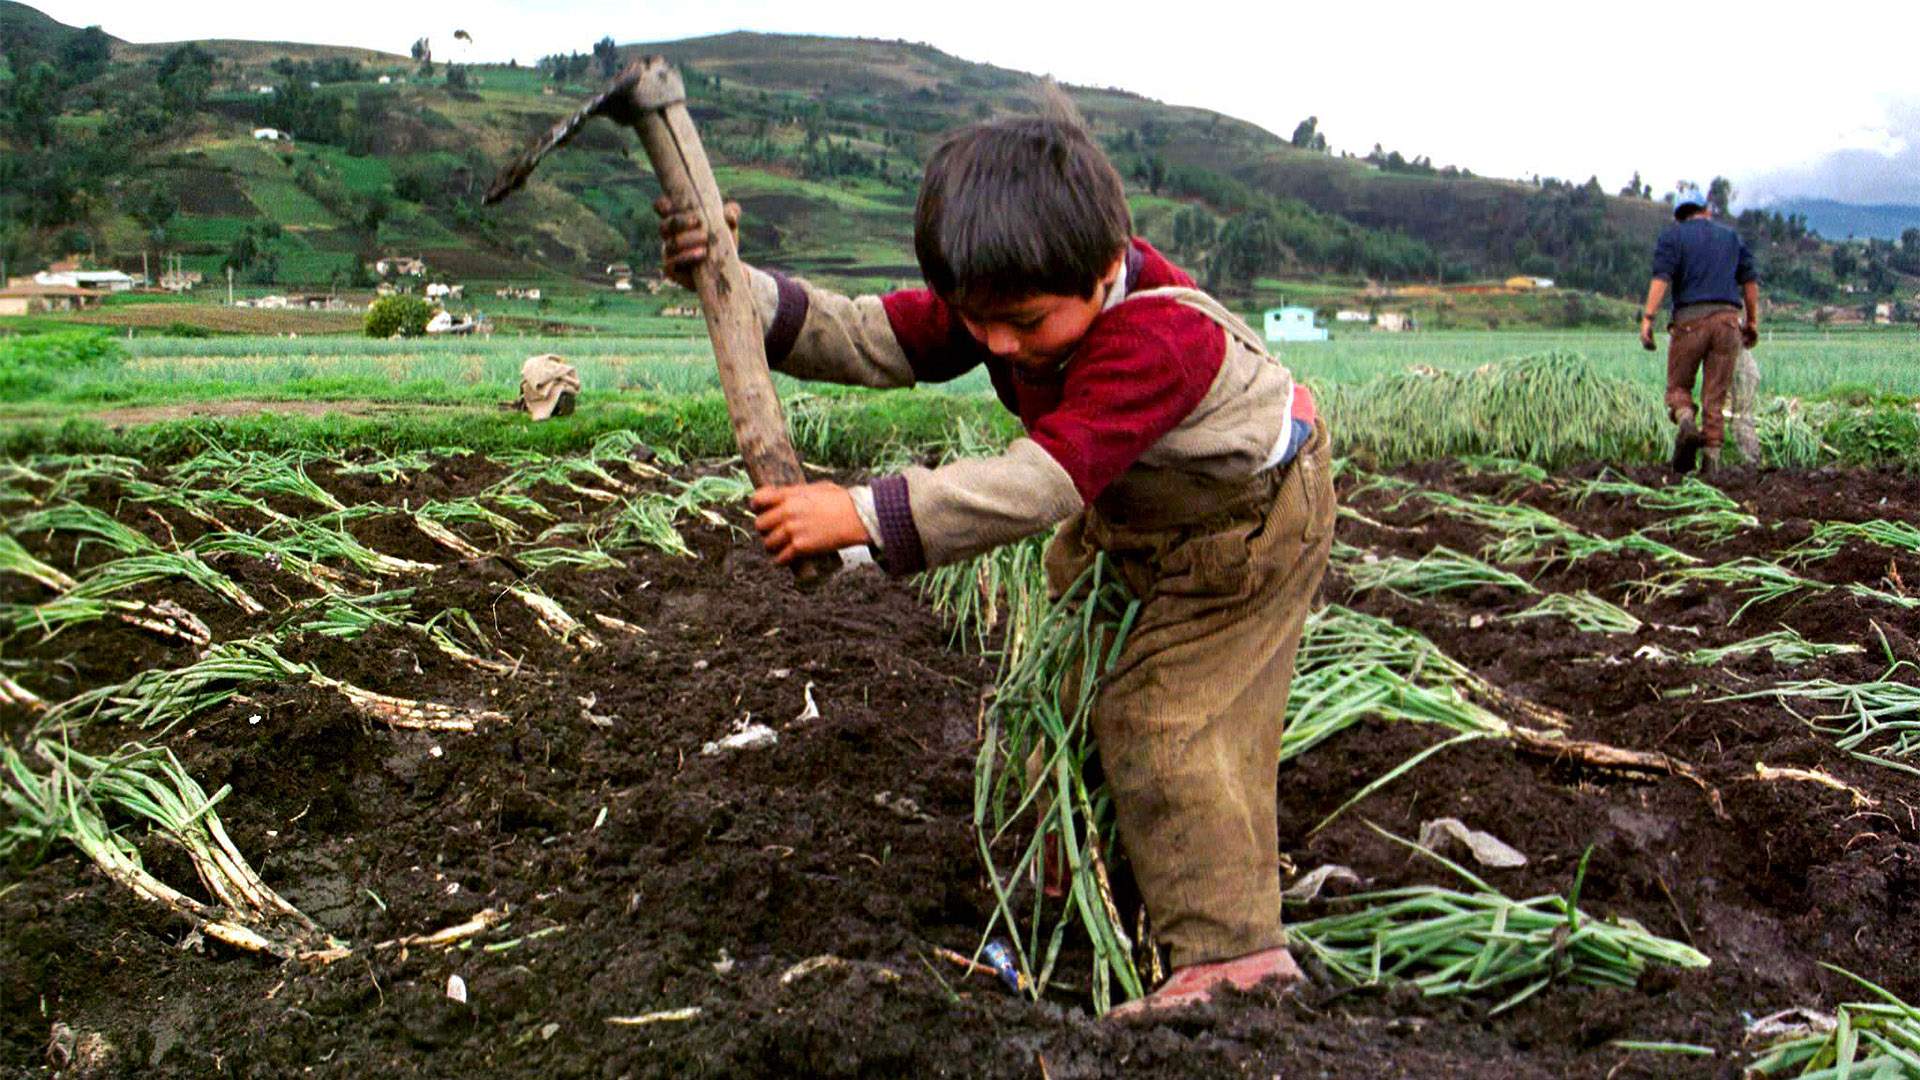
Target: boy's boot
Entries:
(1196, 983)
(1686, 442)
(1710, 459)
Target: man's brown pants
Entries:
(1712, 343)
(1189, 720)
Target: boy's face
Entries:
(1037, 332)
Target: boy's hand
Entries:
(807, 519)
(683, 242)
(1750, 335)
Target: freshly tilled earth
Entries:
(640, 876)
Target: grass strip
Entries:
(1879, 719)
(1585, 611)
(1785, 645)
(1869, 1039)
(68, 800)
(1760, 581)
(1448, 942)
(1829, 537)
(1440, 570)
(15, 559)
(1030, 784)
(1002, 589)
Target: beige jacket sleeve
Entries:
(817, 334)
(931, 517)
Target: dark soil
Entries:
(642, 875)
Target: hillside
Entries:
(151, 149)
(1839, 221)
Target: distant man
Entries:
(1709, 271)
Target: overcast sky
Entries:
(1800, 99)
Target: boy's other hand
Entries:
(1750, 335)
(683, 241)
(806, 519)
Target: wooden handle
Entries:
(759, 425)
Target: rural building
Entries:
(271, 135)
(31, 298)
(1352, 316)
(1883, 314)
(1524, 283)
(181, 280)
(622, 276)
(1392, 322)
(1293, 324)
(513, 292)
(107, 280)
(440, 290)
(401, 264)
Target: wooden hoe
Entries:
(650, 98)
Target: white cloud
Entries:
(1880, 165)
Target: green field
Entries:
(1847, 397)
(643, 349)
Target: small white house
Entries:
(263, 89)
(1392, 322)
(440, 290)
(1352, 316)
(271, 135)
(106, 280)
(386, 80)
(1293, 324)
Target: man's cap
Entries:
(1687, 194)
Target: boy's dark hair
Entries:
(1687, 210)
(1014, 207)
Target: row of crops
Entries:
(272, 555)
(1357, 668)
(229, 559)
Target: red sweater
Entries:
(1141, 368)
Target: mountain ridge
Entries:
(820, 138)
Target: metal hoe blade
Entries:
(615, 101)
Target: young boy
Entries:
(1159, 432)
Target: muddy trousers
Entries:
(1707, 347)
(1188, 723)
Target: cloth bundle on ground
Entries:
(548, 386)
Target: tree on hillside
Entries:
(84, 56)
(607, 55)
(241, 253)
(185, 77)
(1193, 231)
(36, 102)
(153, 206)
(1906, 258)
(1720, 197)
(305, 113)
(1846, 262)
(1307, 136)
(1152, 171)
(1248, 245)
